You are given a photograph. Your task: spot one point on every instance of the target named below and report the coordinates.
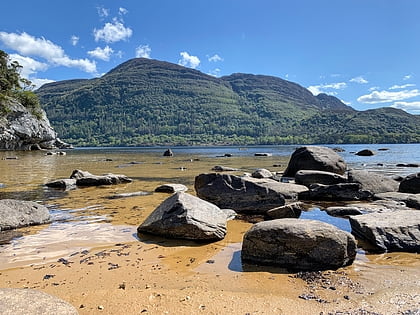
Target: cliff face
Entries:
(22, 130)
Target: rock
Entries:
(365, 152)
(411, 200)
(168, 152)
(398, 231)
(187, 217)
(219, 168)
(171, 188)
(20, 129)
(343, 211)
(7, 236)
(298, 245)
(27, 301)
(342, 192)
(375, 183)
(84, 178)
(16, 213)
(244, 194)
(315, 158)
(292, 210)
(262, 173)
(383, 149)
(66, 184)
(410, 184)
(309, 177)
(128, 195)
(407, 165)
(263, 154)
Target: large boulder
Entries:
(16, 213)
(244, 194)
(375, 183)
(411, 200)
(391, 231)
(26, 301)
(338, 192)
(309, 177)
(315, 158)
(410, 184)
(298, 245)
(188, 217)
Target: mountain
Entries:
(145, 102)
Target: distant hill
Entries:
(150, 102)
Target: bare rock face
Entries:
(17, 213)
(187, 217)
(21, 130)
(298, 245)
(315, 158)
(375, 183)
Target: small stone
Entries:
(100, 307)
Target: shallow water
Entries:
(85, 218)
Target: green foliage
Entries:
(149, 102)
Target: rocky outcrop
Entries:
(396, 231)
(309, 177)
(298, 245)
(411, 200)
(22, 130)
(16, 213)
(27, 301)
(410, 184)
(375, 183)
(342, 192)
(315, 158)
(187, 217)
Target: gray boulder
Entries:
(338, 192)
(292, 210)
(26, 301)
(187, 217)
(411, 200)
(375, 183)
(262, 173)
(244, 194)
(171, 188)
(343, 211)
(84, 178)
(66, 183)
(298, 245)
(309, 177)
(315, 158)
(365, 152)
(410, 184)
(16, 213)
(396, 231)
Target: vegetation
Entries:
(149, 102)
(13, 86)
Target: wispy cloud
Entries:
(102, 12)
(400, 87)
(215, 58)
(411, 107)
(143, 51)
(214, 72)
(112, 32)
(122, 11)
(189, 61)
(101, 53)
(326, 88)
(387, 96)
(74, 40)
(28, 45)
(359, 80)
(407, 77)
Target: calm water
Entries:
(86, 218)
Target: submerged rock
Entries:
(84, 178)
(395, 231)
(188, 217)
(17, 213)
(298, 245)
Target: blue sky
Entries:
(365, 52)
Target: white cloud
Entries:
(400, 87)
(143, 51)
(74, 40)
(407, 77)
(122, 11)
(387, 96)
(29, 65)
(188, 60)
(28, 45)
(113, 32)
(412, 107)
(214, 72)
(325, 88)
(215, 58)
(40, 82)
(373, 88)
(359, 80)
(102, 12)
(101, 53)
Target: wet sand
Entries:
(95, 261)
